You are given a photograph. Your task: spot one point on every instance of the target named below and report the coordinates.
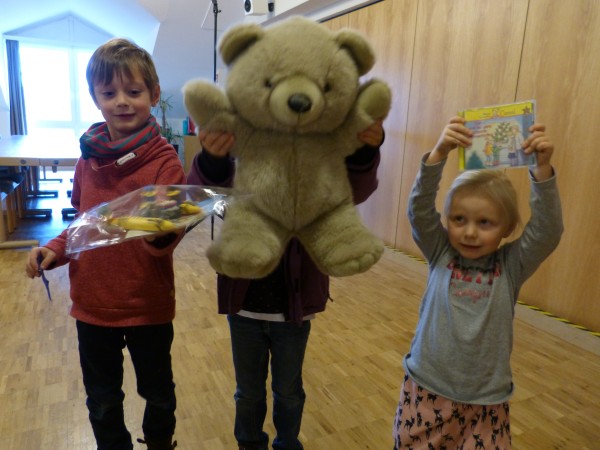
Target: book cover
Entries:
(498, 131)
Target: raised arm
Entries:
(542, 146)
(542, 233)
(213, 166)
(427, 229)
(454, 134)
(363, 163)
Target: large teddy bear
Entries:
(295, 104)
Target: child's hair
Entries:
(492, 183)
(119, 57)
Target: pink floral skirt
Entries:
(425, 420)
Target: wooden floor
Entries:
(352, 372)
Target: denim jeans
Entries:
(101, 357)
(253, 343)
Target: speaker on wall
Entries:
(256, 7)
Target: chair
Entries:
(31, 191)
(11, 203)
(69, 213)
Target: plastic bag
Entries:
(146, 211)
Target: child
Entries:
(123, 295)
(269, 318)
(458, 377)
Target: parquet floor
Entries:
(352, 372)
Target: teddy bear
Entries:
(295, 102)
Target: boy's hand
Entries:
(163, 239)
(455, 134)
(217, 143)
(542, 146)
(372, 135)
(32, 268)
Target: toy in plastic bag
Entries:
(149, 210)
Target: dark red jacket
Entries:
(308, 288)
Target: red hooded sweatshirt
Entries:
(131, 283)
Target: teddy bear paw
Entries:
(349, 260)
(375, 99)
(246, 260)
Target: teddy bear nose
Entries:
(299, 103)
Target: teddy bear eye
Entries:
(327, 87)
(268, 84)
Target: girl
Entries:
(458, 377)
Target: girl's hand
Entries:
(539, 143)
(542, 146)
(217, 143)
(455, 134)
(372, 135)
(32, 268)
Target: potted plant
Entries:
(162, 107)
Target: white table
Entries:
(38, 151)
(35, 152)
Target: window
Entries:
(57, 101)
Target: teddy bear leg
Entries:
(340, 244)
(249, 245)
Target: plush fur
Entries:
(295, 104)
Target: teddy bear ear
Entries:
(359, 49)
(238, 39)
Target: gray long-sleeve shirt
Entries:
(463, 341)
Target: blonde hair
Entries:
(492, 183)
(119, 57)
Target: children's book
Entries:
(498, 134)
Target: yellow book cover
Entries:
(498, 132)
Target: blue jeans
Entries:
(253, 342)
(101, 357)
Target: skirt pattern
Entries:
(425, 420)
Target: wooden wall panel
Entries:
(561, 70)
(390, 27)
(466, 54)
(337, 23)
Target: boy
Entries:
(270, 318)
(123, 295)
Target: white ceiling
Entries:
(117, 17)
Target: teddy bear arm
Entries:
(375, 99)
(208, 106)
(373, 103)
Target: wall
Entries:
(4, 123)
(4, 114)
(441, 56)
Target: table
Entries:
(36, 151)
